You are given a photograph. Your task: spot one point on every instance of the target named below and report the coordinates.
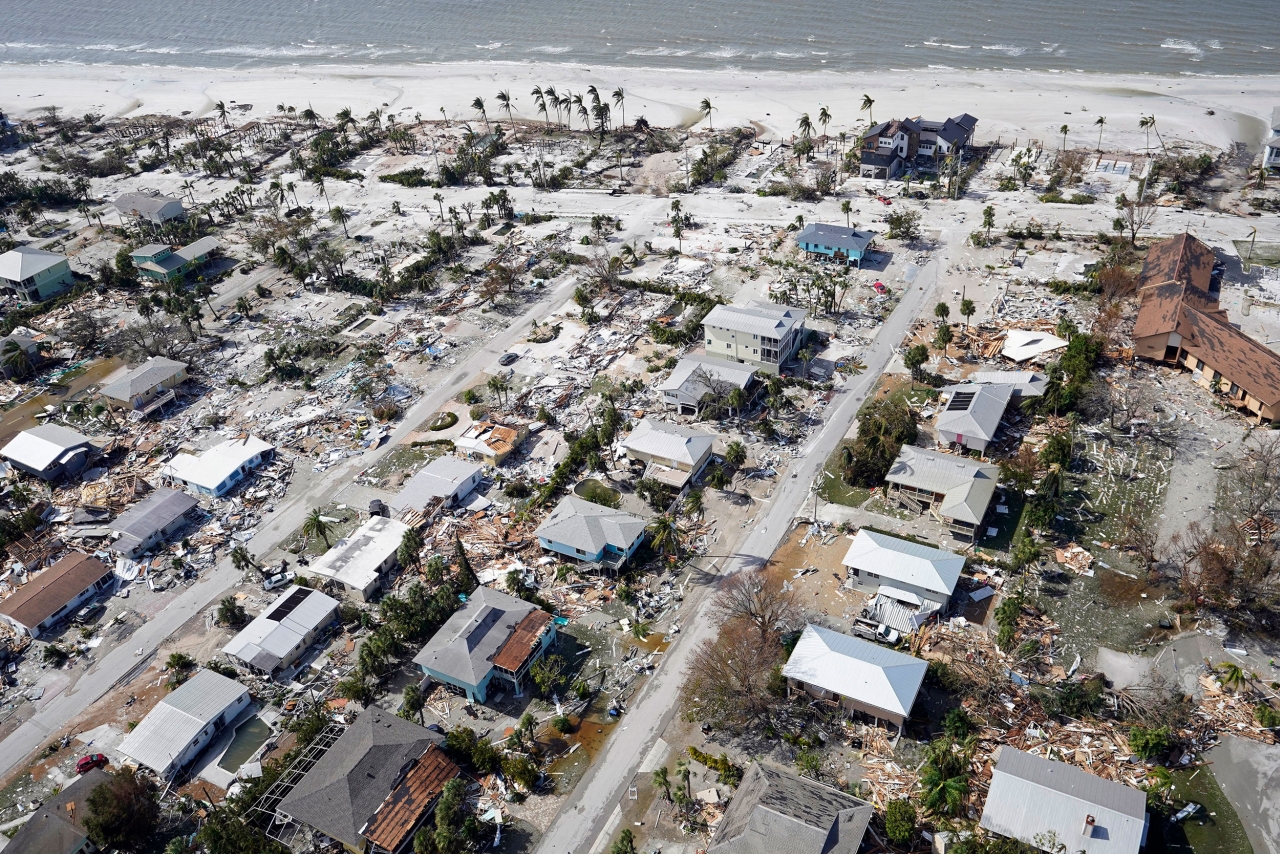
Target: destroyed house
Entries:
(216, 471)
(57, 826)
(55, 593)
(971, 414)
(591, 533)
(1032, 799)
(954, 490)
(184, 722)
(153, 209)
(374, 787)
(489, 442)
(361, 560)
(278, 637)
(695, 377)
(919, 577)
(763, 335)
(1179, 322)
(855, 675)
(835, 243)
(49, 451)
(445, 479)
(148, 386)
(493, 636)
(151, 521)
(775, 811)
(673, 454)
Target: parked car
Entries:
(508, 359)
(280, 579)
(89, 613)
(88, 763)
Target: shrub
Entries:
(899, 821)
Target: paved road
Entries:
(104, 674)
(586, 821)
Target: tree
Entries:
(231, 613)
(867, 103)
(846, 208)
(761, 600)
(914, 359)
(339, 216)
(967, 309)
(316, 526)
(899, 821)
(1100, 123)
(705, 109)
(662, 780)
(122, 813)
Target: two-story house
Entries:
(762, 335)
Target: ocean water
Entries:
(1131, 36)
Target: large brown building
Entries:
(1179, 322)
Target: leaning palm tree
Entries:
(705, 108)
(867, 103)
(1100, 124)
(619, 101)
(338, 216)
(478, 106)
(316, 526)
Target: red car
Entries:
(88, 763)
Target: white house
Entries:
(215, 471)
(694, 377)
(972, 414)
(859, 675)
(448, 478)
(34, 274)
(763, 335)
(361, 560)
(278, 637)
(184, 722)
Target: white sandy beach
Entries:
(1008, 104)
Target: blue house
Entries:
(835, 242)
(494, 636)
(591, 533)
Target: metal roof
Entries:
(143, 378)
(905, 561)
(177, 720)
(866, 672)
(153, 513)
(356, 559)
(1023, 344)
(668, 441)
(1030, 796)
(22, 263)
(216, 464)
(835, 237)
(975, 410)
(277, 631)
(966, 486)
(771, 321)
(40, 447)
(439, 479)
(774, 811)
(465, 646)
(691, 373)
(580, 524)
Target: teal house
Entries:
(835, 243)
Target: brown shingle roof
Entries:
(410, 800)
(1240, 359)
(513, 654)
(46, 592)
(1177, 272)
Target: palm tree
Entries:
(867, 103)
(662, 780)
(619, 101)
(805, 125)
(15, 359)
(316, 526)
(846, 208)
(824, 119)
(478, 106)
(504, 99)
(664, 534)
(1100, 124)
(705, 108)
(1063, 130)
(340, 217)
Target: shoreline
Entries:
(1008, 104)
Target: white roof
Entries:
(1025, 383)
(966, 485)
(26, 261)
(441, 478)
(866, 672)
(275, 632)
(215, 465)
(176, 721)
(40, 447)
(974, 410)
(356, 559)
(1021, 344)
(687, 376)
(768, 319)
(668, 441)
(904, 561)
